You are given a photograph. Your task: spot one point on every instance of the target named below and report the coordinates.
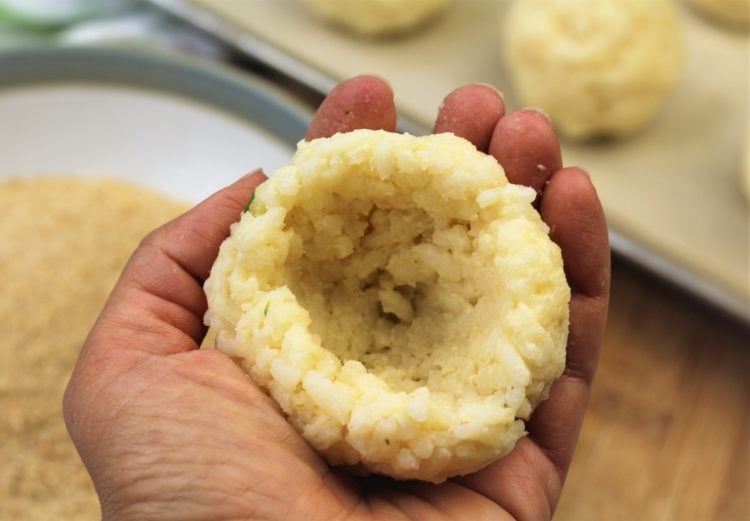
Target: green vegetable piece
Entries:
(265, 310)
(247, 208)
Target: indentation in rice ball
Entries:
(399, 299)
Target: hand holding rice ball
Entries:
(398, 298)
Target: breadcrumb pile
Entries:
(63, 243)
(398, 298)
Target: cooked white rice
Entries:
(399, 299)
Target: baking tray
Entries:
(181, 125)
(672, 193)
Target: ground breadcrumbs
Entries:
(63, 242)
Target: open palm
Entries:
(170, 431)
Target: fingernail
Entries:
(376, 76)
(540, 111)
(490, 86)
(253, 173)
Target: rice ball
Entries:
(376, 17)
(400, 300)
(597, 67)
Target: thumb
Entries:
(157, 305)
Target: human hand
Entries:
(170, 431)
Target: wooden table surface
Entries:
(667, 432)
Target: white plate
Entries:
(184, 128)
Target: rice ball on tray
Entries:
(373, 18)
(398, 298)
(597, 67)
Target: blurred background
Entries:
(160, 102)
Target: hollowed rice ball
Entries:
(398, 298)
(597, 67)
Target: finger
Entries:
(159, 296)
(525, 482)
(361, 102)
(577, 224)
(471, 112)
(193, 239)
(557, 421)
(571, 208)
(525, 144)
(528, 481)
